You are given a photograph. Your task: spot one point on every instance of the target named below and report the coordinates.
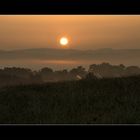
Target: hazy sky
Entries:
(84, 32)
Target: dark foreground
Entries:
(101, 101)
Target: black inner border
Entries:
(72, 7)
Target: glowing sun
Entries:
(64, 41)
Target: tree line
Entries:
(16, 75)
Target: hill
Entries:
(126, 56)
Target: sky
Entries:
(84, 32)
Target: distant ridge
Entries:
(126, 56)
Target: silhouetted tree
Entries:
(90, 76)
(79, 70)
(16, 75)
(46, 74)
(132, 70)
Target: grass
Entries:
(103, 101)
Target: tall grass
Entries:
(102, 101)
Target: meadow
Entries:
(88, 101)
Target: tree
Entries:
(132, 70)
(46, 70)
(46, 74)
(78, 71)
(90, 76)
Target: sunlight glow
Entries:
(64, 41)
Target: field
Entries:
(94, 101)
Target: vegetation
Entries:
(87, 101)
(18, 76)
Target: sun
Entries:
(64, 41)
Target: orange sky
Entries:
(85, 32)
